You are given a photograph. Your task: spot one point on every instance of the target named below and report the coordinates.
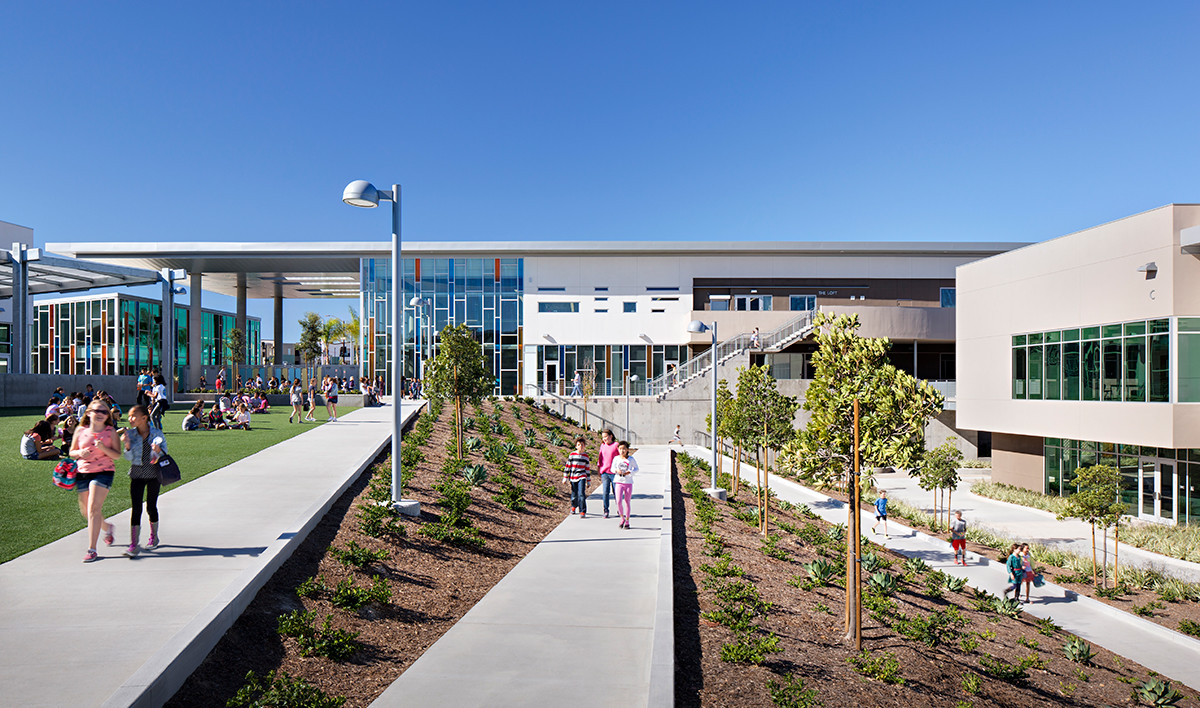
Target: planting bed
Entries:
(432, 583)
(976, 657)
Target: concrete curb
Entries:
(165, 672)
(662, 654)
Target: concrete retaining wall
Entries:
(33, 390)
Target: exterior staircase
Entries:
(773, 341)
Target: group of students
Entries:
(95, 447)
(50, 438)
(617, 469)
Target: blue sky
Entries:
(619, 121)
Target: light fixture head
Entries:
(416, 301)
(361, 193)
(633, 377)
(697, 327)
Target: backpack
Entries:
(64, 473)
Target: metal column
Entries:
(195, 329)
(278, 358)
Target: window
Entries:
(653, 310)
(630, 307)
(718, 303)
(599, 310)
(665, 299)
(947, 297)
(662, 289)
(555, 289)
(753, 303)
(558, 307)
(1018, 376)
(601, 289)
(801, 303)
(1189, 359)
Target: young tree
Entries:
(1095, 502)
(894, 407)
(235, 341)
(765, 417)
(724, 405)
(458, 372)
(939, 471)
(309, 346)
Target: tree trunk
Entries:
(1095, 581)
(766, 488)
(1116, 552)
(1104, 565)
(949, 505)
(737, 470)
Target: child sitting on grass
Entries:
(241, 419)
(38, 442)
(215, 421)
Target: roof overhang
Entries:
(49, 273)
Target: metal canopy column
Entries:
(195, 328)
(241, 311)
(278, 358)
(168, 329)
(19, 257)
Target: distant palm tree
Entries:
(331, 330)
(352, 330)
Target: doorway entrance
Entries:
(552, 376)
(1157, 491)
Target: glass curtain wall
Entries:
(1116, 362)
(483, 293)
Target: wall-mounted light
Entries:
(646, 338)
(548, 338)
(1150, 269)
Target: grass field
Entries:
(34, 512)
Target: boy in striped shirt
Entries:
(576, 472)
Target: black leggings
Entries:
(150, 488)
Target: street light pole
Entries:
(697, 326)
(629, 379)
(361, 193)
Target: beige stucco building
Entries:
(1085, 349)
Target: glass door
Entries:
(1157, 491)
(552, 376)
(1148, 489)
(1166, 490)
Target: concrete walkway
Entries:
(585, 619)
(1032, 525)
(1174, 655)
(121, 632)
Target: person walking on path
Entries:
(144, 385)
(94, 448)
(158, 400)
(1026, 570)
(958, 537)
(330, 390)
(576, 472)
(625, 466)
(296, 398)
(576, 391)
(608, 452)
(1015, 571)
(144, 444)
(312, 400)
(677, 437)
(881, 513)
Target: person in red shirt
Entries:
(576, 472)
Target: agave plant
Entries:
(883, 583)
(872, 563)
(955, 583)
(916, 565)
(469, 424)
(494, 454)
(820, 571)
(1079, 651)
(472, 443)
(475, 474)
(837, 532)
(1156, 692)
(1007, 607)
(509, 448)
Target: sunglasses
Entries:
(98, 410)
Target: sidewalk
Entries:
(1174, 655)
(121, 632)
(588, 598)
(1032, 525)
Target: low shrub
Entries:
(884, 668)
(791, 693)
(279, 690)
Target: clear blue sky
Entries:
(505, 121)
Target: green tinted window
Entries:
(1159, 326)
(1135, 328)
(1018, 340)
(1189, 324)
(1035, 338)
(1189, 366)
(1091, 332)
(1159, 365)
(1018, 372)
(1053, 472)
(1052, 442)
(1070, 335)
(1034, 378)
(1070, 371)
(1135, 369)
(1113, 330)
(1110, 373)
(1053, 370)
(1090, 365)
(1052, 337)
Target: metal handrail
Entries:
(730, 347)
(539, 392)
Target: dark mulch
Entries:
(433, 584)
(810, 624)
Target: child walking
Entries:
(576, 472)
(144, 444)
(94, 447)
(881, 513)
(958, 537)
(625, 467)
(297, 398)
(1015, 571)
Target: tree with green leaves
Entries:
(1096, 503)
(939, 472)
(352, 330)
(332, 329)
(724, 409)
(894, 407)
(459, 373)
(235, 342)
(765, 421)
(309, 346)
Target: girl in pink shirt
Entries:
(608, 451)
(94, 447)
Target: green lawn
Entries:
(34, 512)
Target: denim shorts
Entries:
(32, 456)
(83, 480)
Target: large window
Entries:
(947, 297)
(558, 307)
(1189, 359)
(801, 303)
(1129, 361)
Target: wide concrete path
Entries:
(121, 632)
(585, 619)
(1174, 655)
(1032, 525)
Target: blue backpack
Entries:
(64, 473)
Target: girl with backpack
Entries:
(94, 447)
(144, 444)
(1015, 571)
